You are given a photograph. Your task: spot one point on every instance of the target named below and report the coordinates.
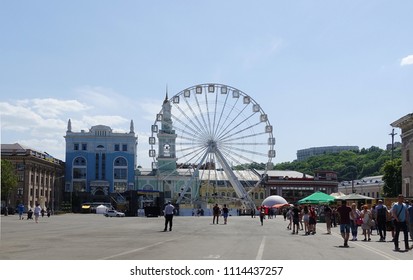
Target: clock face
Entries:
(167, 150)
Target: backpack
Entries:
(382, 212)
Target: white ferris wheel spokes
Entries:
(219, 131)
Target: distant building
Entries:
(293, 185)
(100, 164)
(315, 151)
(40, 177)
(406, 125)
(371, 186)
(396, 145)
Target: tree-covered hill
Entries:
(349, 165)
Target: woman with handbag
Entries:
(355, 221)
(366, 226)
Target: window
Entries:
(79, 161)
(76, 147)
(103, 166)
(97, 167)
(124, 147)
(120, 173)
(84, 147)
(79, 173)
(117, 148)
(120, 162)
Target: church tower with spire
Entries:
(166, 140)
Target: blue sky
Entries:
(325, 72)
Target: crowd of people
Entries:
(378, 219)
(305, 217)
(37, 211)
(354, 222)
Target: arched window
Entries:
(120, 161)
(79, 161)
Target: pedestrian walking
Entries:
(345, 222)
(216, 211)
(290, 218)
(366, 226)
(355, 221)
(296, 219)
(37, 211)
(262, 215)
(381, 218)
(169, 214)
(285, 213)
(400, 215)
(20, 209)
(252, 213)
(313, 220)
(327, 215)
(306, 218)
(225, 213)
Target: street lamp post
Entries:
(353, 176)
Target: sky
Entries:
(325, 72)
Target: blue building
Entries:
(100, 164)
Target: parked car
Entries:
(114, 213)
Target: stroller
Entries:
(30, 214)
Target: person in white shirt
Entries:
(37, 211)
(169, 214)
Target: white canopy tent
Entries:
(101, 209)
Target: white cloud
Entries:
(408, 60)
(105, 100)
(51, 107)
(42, 123)
(149, 108)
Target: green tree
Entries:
(8, 179)
(392, 177)
(349, 165)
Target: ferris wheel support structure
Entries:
(239, 189)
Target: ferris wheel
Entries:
(208, 135)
